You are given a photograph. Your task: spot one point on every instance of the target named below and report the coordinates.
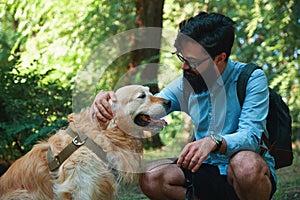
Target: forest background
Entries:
(45, 44)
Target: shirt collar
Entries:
(226, 73)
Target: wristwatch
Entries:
(218, 140)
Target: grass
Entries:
(288, 187)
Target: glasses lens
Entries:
(191, 64)
(197, 63)
(182, 59)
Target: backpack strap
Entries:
(243, 80)
(241, 93)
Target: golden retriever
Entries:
(84, 175)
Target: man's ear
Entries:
(220, 58)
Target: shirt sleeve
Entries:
(252, 121)
(173, 92)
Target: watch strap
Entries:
(219, 143)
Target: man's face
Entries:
(196, 58)
(198, 68)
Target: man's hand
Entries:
(195, 153)
(101, 108)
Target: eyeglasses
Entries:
(190, 63)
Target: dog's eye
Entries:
(142, 96)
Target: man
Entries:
(224, 161)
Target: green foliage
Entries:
(28, 108)
(42, 46)
(271, 39)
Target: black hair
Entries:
(214, 32)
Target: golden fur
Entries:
(84, 175)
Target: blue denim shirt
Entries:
(217, 111)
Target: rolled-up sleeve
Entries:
(252, 121)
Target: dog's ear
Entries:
(114, 106)
(71, 117)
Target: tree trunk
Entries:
(148, 14)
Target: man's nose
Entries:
(185, 66)
(167, 104)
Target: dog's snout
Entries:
(167, 104)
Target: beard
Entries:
(194, 82)
(200, 82)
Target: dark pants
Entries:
(209, 184)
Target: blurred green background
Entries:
(43, 44)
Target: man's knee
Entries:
(247, 166)
(158, 183)
(250, 176)
(151, 182)
(145, 182)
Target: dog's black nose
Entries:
(167, 104)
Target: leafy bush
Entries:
(30, 110)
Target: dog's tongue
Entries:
(148, 119)
(159, 121)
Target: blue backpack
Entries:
(279, 123)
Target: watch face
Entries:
(218, 138)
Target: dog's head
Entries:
(137, 109)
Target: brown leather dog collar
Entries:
(79, 139)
